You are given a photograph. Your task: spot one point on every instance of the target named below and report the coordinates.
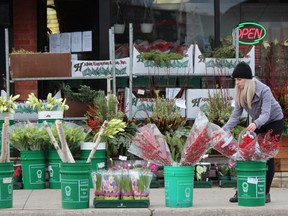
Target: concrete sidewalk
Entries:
(206, 201)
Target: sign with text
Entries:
(100, 68)
(251, 33)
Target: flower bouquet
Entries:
(149, 144)
(198, 142)
(256, 147)
(267, 146)
(141, 179)
(111, 184)
(225, 143)
(99, 194)
(126, 186)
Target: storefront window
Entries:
(272, 15)
(180, 22)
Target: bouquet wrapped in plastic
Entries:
(267, 146)
(141, 179)
(225, 143)
(256, 147)
(198, 142)
(149, 144)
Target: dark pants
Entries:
(277, 128)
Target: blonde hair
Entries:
(245, 96)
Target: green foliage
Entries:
(166, 115)
(223, 169)
(8, 104)
(82, 94)
(74, 135)
(176, 141)
(218, 108)
(50, 104)
(28, 136)
(160, 58)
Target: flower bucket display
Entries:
(251, 183)
(6, 185)
(33, 169)
(149, 144)
(75, 188)
(125, 188)
(179, 185)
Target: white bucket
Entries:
(90, 145)
(146, 27)
(50, 115)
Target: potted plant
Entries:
(119, 26)
(147, 24)
(8, 106)
(31, 140)
(108, 108)
(52, 108)
(78, 98)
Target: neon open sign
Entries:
(251, 33)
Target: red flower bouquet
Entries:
(247, 143)
(149, 144)
(225, 143)
(267, 146)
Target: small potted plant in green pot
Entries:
(31, 140)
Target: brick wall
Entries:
(25, 37)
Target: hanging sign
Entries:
(251, 33)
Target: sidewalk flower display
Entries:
(149, 144)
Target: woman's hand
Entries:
(251, 127)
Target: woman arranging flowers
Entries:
(257, 99)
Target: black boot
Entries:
(267, 199)
(234, 198)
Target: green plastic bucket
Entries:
(54, 163)
(251, 183)
(98, 161)
(33, 169)
(75, 188)
(6, 185)
(179, 185)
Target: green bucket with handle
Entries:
(251, 183)
(75, 187)
(54, 163)
(179, 185)
(97, 162)
(33, 169)
(6, 184)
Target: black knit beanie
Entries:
(242, 70)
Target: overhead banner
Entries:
(180, 67)
(100, 68)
